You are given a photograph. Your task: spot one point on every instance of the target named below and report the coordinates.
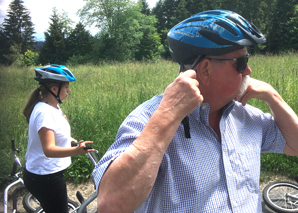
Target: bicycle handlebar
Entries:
(13, 147)
(73, 144)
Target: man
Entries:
(194, 148)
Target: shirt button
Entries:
(229, 174)
(235, 203)
(203, 106)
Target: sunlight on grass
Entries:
(104, 95)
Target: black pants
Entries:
(50, 190)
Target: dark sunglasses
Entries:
(241, 62)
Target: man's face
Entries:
(226, 79)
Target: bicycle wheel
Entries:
(281, 196)
(72, 207)
(30, 203)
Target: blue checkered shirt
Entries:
(204, 173)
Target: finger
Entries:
(244, 99)
(81, 141)
(194, 82)
(189, 73)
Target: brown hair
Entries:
(36, 96)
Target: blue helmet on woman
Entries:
(53, 73)
(214, 32)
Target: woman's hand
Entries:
(84, 147)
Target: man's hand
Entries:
(285, 118)
(259, 90)
(182, 96)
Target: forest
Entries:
(131, 31)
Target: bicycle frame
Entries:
(15, 175)
(93, 157)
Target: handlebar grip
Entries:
(87, 147)
(13, 145)
(73, 144)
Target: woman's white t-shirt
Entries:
(44, 115)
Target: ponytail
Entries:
(36, 96)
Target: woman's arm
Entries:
(47, 138)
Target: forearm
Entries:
(128, 182)
(60, 152)
(287, 121)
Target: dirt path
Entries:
(87, 189)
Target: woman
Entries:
(49, 145)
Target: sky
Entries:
(41, 11)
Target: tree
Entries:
(279, 32)
(145, 8)
(292, 27)
(18, 27)
(66, 23)
(79, 41)
(122, 26)
(53, 51)
(4, 46)
(149, 44)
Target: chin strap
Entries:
(185, 121)
(58, 94)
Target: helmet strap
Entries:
(56, 96)
(183, 67)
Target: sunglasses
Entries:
(241, 62)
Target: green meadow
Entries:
(105, 94)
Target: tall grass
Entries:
(104, 95)
(100, 99)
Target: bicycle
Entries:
(281, 196)
(29, 201)
(14, 175)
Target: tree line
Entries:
(128, 30)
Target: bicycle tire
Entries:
(72, 207)
(281, 196)
(30, 203)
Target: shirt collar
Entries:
(202, 112)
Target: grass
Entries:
(104, 95)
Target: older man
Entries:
(194, 148)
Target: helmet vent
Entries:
(49, 70)
(234, 20)
(195, 20)
(67, 73)
(226, 27)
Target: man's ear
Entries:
(203, 71)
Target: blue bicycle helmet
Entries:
(56, 73)
(214, 32)
(53, 72)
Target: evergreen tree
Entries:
(292, 27)
(4, 46)
(148, 47)
(145, 7)
(53, 51)
(181, 12)
(279, 33)
(18, 28)
(79, 41)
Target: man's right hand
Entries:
(182, 96)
